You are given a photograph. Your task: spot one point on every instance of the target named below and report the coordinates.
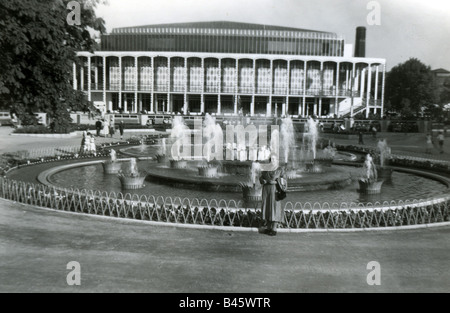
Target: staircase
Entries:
(345, 107)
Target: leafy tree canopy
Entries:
(37, 51)
(411, 86)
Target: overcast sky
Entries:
(409, 28)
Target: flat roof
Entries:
(220, 25)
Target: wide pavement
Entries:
(128, 256)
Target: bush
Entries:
(36, 129)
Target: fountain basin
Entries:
(132, 183)
(236, 167)
(384, 173)
(111, 167)
(334, 178)
(162, 158)
(178, 164)
(252, 195)
(208, 171)
(369, 188)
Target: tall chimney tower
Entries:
(360, 42)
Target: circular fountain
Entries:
(112, 166)
(200, 158)
(383, 171)
(162, 156)
(369, 183)
(132, 178)
(199, 164)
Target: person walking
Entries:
(112, 130)
(429, 145)
(98, 127)
(441, 142)
(361, 138)
(272, 212)
(121, 129)
(105, 129)
(374, 132)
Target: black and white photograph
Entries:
(224, 153)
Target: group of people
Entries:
(104, 128)
(87, 144)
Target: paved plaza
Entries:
(131, 256)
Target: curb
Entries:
(238, 229)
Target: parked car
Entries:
(5, 119)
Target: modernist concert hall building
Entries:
(231, 68)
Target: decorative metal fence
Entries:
(419, 157)
(222, 213)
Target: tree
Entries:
(38, 48)
(410, 87)
(444, 95)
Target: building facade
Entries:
(230, 68)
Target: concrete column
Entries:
(337, 89)
(269, 112)
(356, 75)
(383, 84)
(321, 78)
(169, 103)
(185, 104)
(96, 76)
(288, 78)
(363, 83)
(219, 104)
(347, 80)
(319, 112)
(168, 107)
(369, 89)
(152, 80)
(89, 70)
(136, 86)
(377, 72)
(82, 77)
(254, 78)
(305, 75)
(269, 108)
(120, 83)
(75, 80)
(236, 88)
(252, 103)
(104, 84)
(353, 79)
